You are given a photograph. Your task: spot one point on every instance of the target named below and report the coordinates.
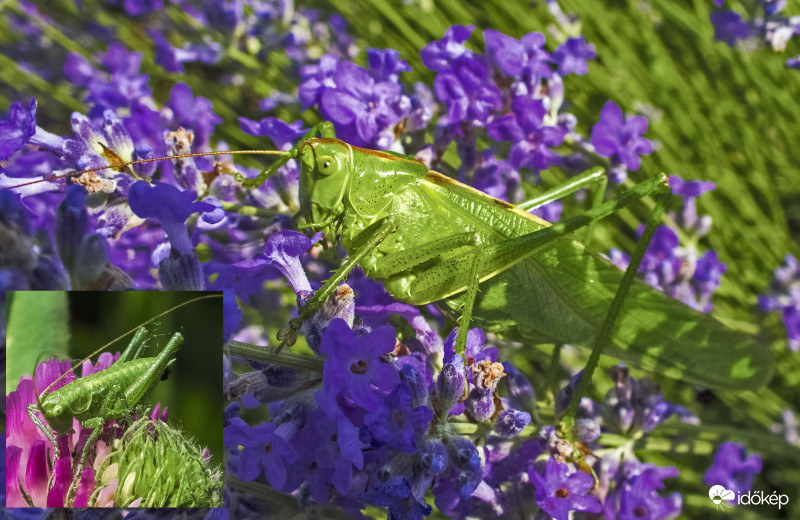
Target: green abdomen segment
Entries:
(85, 396)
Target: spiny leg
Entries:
(374, 235)
(407, 259)
(488, 259)
(592, 176)
(607, 329)
(44, 427)
(134, 393)
(469, 300)
(136, 346)
(112, 403)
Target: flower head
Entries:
(621, 138)
(733, 468)
(354, 363)
(561, 490)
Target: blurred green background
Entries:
(192, 391)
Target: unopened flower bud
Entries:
(450, 386)
(181, 272)
(511, 422)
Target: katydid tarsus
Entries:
(429, 238)
(110, 394)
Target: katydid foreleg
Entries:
(375, 234)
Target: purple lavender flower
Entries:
(282, 253)
(172, 58)
(676, 270)
(784, 296)
(439, 55)
(496, 177)
(691, 190)
(636, 403)
(620, 138)
(170, 207)
(140, 7)
(354, 364)
(511, 422)
(532, 139)
(395, 423)
(395, 493)
(525, 59)
(316, 78)
(468, 91)
(637, 496)
(733, 468)
(384, 64)
(729, 27)
(17, 129)
(572, 56)
(561, 490)
(196, 113)
(263, 449)
(464, 82)
(231, 315)
(363, 109)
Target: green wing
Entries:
(562, 295)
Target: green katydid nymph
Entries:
(114, 393)
(429, 238)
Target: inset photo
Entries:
(113, 399)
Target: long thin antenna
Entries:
(152, 159)
(76, 365)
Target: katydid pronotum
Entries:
(429, 238)
(116, 392)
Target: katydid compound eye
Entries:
(326, 165)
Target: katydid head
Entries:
(57, 412)
(325, 168)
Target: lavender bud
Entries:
(480, 404)
(410, 375)
(280, 376)
(520, 389)
(587, 430)
(181, 272)
(48, 275)
(511, 422)
(90, 261)
(433, 457)
(449, 386)
(72, 224)
(463, 453)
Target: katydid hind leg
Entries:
(454, 274)
(469, 301)
(136, 391)
(592, 177)
(136, 346)
(407, 259)
(605, 335)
